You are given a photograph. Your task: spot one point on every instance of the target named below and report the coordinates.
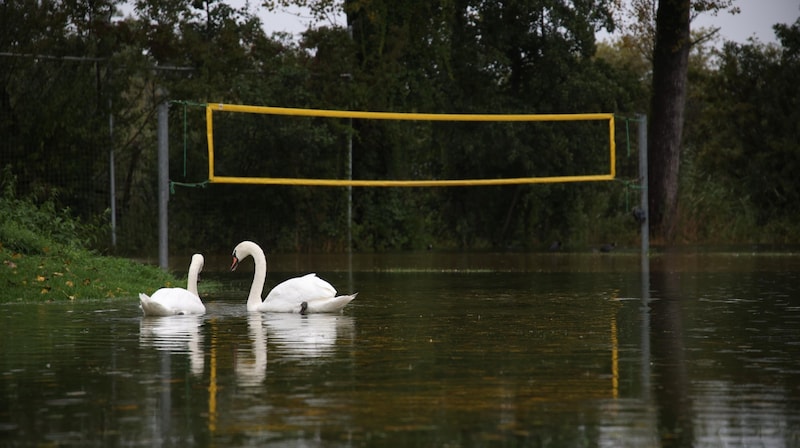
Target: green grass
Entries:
(76, 274)
(43, 258)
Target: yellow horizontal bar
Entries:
(222, 107)
(405, 183)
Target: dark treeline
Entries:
(79, 80)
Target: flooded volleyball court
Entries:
(437, 350)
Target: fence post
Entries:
(112, 176)
(163, 181)
(644, 262)
(645, 223)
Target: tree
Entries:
(743, 141)
(470, 56)
(55, 97)
(666, 40)
(670, 69)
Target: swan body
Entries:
(306, 294)
(172, 301)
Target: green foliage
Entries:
(34, 228)
(62, 117)
(44, 256)
(742, 138)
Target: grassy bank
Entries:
(59, 274)
(44, 256)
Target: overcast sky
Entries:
(755, 20)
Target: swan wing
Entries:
(288, 296)
(330, 304)
(171, 301)
(301, 289)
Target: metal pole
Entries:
(163, 181)
(644, 260)
(643, 191)
(645, 328)
(350, 187)
(112, 181)
(349, 77)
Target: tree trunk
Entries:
(670, 67)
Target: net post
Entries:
(112, 175)
(210, 140)
(644, 261)
(643, 191)
(163, 180)
(612, 146)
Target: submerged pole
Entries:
(644, 261)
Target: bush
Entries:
(44, 256)
(30, 228)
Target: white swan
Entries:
(306, 294)
(172, 301)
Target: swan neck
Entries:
(259, 277)
(191, 283)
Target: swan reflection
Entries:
(177, 334)
(289, 335)
(251, 365)
(312, 335)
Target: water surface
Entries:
(437, 350)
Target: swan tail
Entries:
(330, 305)
(152, 308)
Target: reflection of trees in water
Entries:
(670, 379)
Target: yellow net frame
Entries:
(221, 107)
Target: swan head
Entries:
(243, 250)
(199, 261)
(235, 263)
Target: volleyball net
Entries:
(606, 172)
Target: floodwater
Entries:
(545, 350)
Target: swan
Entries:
(172, 301)
(306, 294)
